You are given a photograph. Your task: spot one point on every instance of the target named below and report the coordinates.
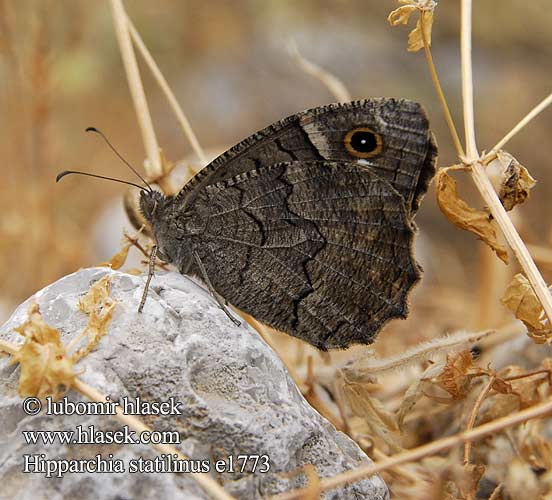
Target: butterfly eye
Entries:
(363, 142)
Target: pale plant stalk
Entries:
(473, 415)
(440, 93)
(496, 492)
(467, 82)
(538, 411)
(334, 85)
(153, 166)
(480, 178)
(405, 473)
(541, 106)
(173, 103)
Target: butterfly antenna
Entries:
(99, 132)
(61, 175)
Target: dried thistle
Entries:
(98, 306)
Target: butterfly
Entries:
(307, 225)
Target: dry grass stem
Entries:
(440, 94)
(512, 237)
(316, 402)
(153, 166)
(496, 492)
(335, 86)
(531, 374)
(173, 103)
(204, 480)
(473, 415)
(416, 454)
(547, 101)
(467, 81)
(480, 178)
(398, 470)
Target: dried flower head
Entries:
(421, 34)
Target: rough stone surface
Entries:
(236, 395)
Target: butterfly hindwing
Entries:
(318, 249)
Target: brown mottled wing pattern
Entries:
(318, 249)
(407, 161)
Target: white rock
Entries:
(237, 398)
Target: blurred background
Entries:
(228, 64)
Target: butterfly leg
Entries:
(212, 290)
(151, 270)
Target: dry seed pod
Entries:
(511, 179)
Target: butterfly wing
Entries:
(406, 160)
(320, 250)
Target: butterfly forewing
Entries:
(406, 157)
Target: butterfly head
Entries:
(152, 204)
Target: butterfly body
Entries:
(307, 224)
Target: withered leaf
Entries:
(520, 480)
(468, 482)
(381, 422)
(464, 216)
(502, 386)
(457, 374)
(416, 36)
(134, 271)
(415, 391)
(118, 260)
(46, 370)
(527, 389)
(401, 15)
(534, 446)
(521, 299)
